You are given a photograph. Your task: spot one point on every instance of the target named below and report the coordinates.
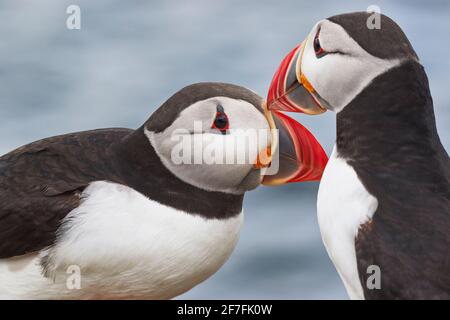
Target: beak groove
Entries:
(300, 155)
(290, 90)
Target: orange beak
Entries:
(290, 90)
(264, 159)
(300, 156)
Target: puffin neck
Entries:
(140, 168)
(392, 115)
(388, 134)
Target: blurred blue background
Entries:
(129, 57)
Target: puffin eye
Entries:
(317, 46)
(221, 122)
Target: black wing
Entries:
(41, 183)
(409, 238)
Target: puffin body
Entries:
(343, 205)
(113, 214)
(384, 198)
(71, 210)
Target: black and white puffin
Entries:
(112, 207)
(384, 199)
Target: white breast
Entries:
(126, 246)
(343, 205)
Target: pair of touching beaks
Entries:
(300, 155)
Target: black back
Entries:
(388, 135)
(41, 183)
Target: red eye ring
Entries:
(317, 46)
(221, 121)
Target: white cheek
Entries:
(210, 160)
(339, 78)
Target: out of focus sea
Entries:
(129, 56)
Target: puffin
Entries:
(384, 199)
(114, 214)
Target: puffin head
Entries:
(337, 60)
(220, 137)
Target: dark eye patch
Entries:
(221, 121)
